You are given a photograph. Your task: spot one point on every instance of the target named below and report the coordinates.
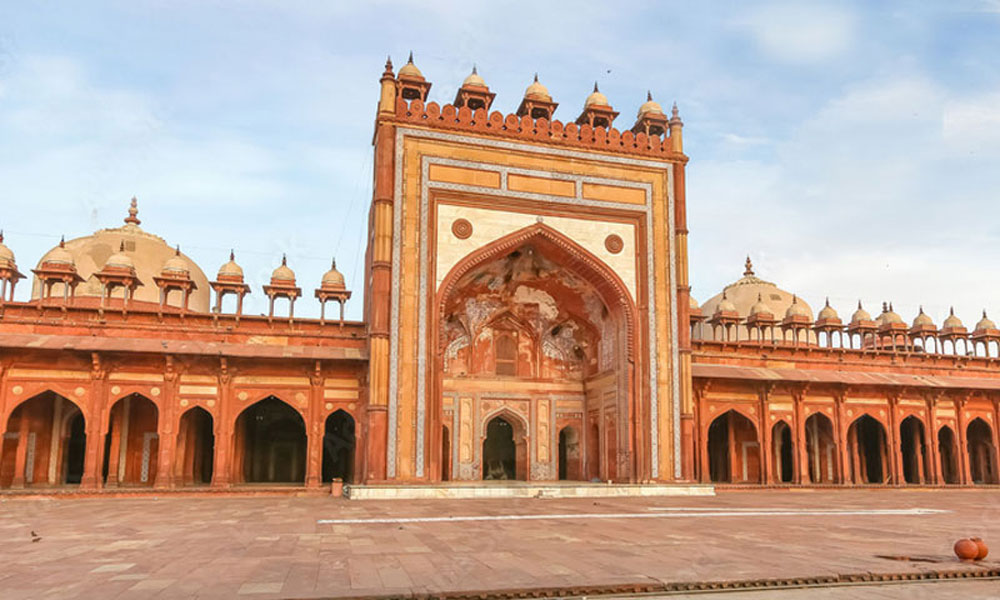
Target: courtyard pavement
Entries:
(316, 547)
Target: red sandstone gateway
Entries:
(527, 317)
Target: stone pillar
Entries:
(223, 426)
(315, 429)
(963, 443)
(96, 424)
(167, 424)
(21, 456)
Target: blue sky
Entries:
(851, 148)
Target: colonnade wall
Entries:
(148, 400)
(808, 416)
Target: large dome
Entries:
(744, 292)
(148, 253)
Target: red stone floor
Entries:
(274, 547)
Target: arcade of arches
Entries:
(49, 443)
(829, 437)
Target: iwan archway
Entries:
(534, 325)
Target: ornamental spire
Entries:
(748, 271)
(133, 211)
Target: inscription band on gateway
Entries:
(504, 191)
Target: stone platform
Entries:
(523, 489)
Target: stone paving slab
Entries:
(278, 547)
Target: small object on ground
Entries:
(983, 548)
(966, 550)
(35, 537)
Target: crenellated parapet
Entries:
(651, 136)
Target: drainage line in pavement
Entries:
(650, 588)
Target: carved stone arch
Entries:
(578, 259)
(33, 389)
(739, 410)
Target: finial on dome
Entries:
(232, 255)
(674, 113)
(284, 260)
(177, 250)
(121, 246)
(410, 60)
(1, 236)
(890, 307)
(474, 69)
(984, 313)
(133, 210)
(333, 263)
(921, 309)
(748, 272)
(951, 311)
(885, 307)
(388, 66)
(795, 299)
(536, 77)
(859, 304)
(649, 96)
(62, 242)
(595, 87)
(828, 301)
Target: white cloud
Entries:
(800, 32)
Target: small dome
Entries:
(923, 319)
(6, 254)
(231, 269)
(333, 278)
(827, 312)
(60, 255)
(797, 310)
(120, 259)
(692, 303)
(176, 265)
(860, 315)
(537, 91)
(596, 98)
(759, 307)
(889, 316)
(985, 323)
(953, 322)
(650, 106)
(410, 70)
(474, 79)
(283, 273)
(725, 305)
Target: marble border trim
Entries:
(401, 133)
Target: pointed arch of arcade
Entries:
(782, 452)
(340, 444)
(269, 443)
(868, 451)
(982, 452)
(732, 449)
(821, 448)
(616, 296)
(194, 453)
(44, 443)
(915, 450)
(131, 441)
(950, 463)
(520, 441)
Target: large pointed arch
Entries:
(565, 251)
(618, 322)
